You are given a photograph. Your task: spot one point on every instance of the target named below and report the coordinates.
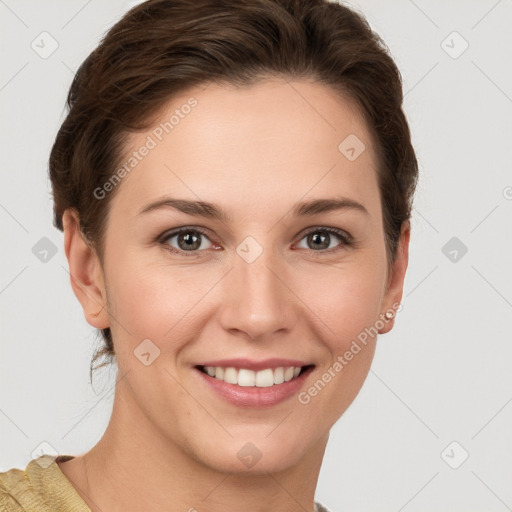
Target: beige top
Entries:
(43, 487)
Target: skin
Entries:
(256, 151)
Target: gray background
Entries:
(442, 375)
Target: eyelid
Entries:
(346, 241)
(346, 238)
(177, 231)
(344, 235)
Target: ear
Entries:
(85, 270)
(395, 285)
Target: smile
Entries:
(264, 378)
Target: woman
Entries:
(234, 181)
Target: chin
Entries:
(255, 454)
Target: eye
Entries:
(320, 239)
(187, 240)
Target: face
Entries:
(285, 267)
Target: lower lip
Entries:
(252, 396)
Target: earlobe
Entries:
(395, 285)
(85, 270)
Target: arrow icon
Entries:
(249, 455)
(351, 147)
(249, 253)
(44, 250)
(454, 249)
(454, 45)
(146, 352)
(45, 45)
(454, 455)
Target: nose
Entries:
(257, 298)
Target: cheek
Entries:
(345, 307)
(344, 299)
(155, 301)
(149, 299)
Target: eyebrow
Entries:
(212, 211)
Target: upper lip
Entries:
(254, 365)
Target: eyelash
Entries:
(345, 238)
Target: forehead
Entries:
(267, 141)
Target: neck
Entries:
(136, 468)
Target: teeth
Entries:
(246, 378)
(249, 378)
(264, 378)
(279, 375)
(219, 372)
(230, 376)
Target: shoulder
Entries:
(12, 482)
(40, 487)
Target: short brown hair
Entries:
(163, 47)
